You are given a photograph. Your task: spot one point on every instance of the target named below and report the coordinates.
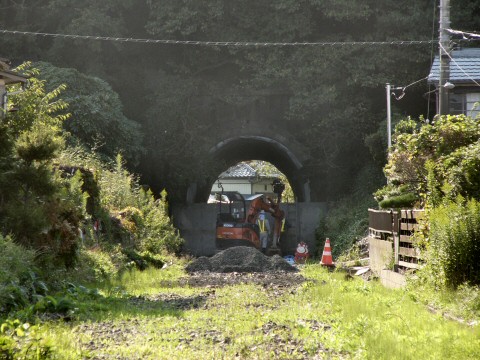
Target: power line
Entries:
(465, 35)
(403, 88)
(217, 43)
(461, 69)
(415, 82)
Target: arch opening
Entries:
(246, 148)
(251, 178)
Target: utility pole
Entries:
(389, 115)
(3, 99)
(390, 91)
(444, 53)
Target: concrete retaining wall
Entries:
(196, 223)
(381, 254)
(392, 280)
(381, 257)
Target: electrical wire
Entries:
(415, 82)
(461, 69)
(403, 88)
(218, 43)
(465, 35)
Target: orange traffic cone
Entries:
(327, 259)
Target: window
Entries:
(468, 104)
(457, 104)
(473, 104)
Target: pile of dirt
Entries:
(241, 259)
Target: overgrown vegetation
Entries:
(436, 166)
(66, 212)
(451, 249)
(431, 162)
(346, 221)
(154, 315)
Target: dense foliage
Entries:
(333, 97)
(437, 166)
(97, 120)
(37, 206)
(66, 212)
(430, 162)
(452, 249)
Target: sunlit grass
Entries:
(151, 281)
(326, 317)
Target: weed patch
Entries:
(252, 317)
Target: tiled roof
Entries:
(240, 170)
(243, 170)
(464, 67)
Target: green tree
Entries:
(39, 208)
(266, 168)
(433, 161)
(334, 95)
(97, 120)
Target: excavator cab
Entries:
(232, 228)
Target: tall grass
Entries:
(452, 249)
(329, 316)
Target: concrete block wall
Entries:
(197, 222)
(392, 280)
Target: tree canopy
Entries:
(97, 118)
(433, 161)
(335, 95)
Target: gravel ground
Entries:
(240, 259)
(239, 265)
(269, 280)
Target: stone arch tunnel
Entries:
(196, 219)
(252, 130)
(242, 148)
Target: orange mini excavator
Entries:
(235, 228)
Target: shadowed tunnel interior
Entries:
(244, 148)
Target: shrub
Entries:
(139, 217)
(95, 265)
(400, 201)
(16, 262)
(347, 219)
(158, 233)
(452, 246)
(433, 161)
(17, 278)
(20, 340)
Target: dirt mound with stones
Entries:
(241, 259)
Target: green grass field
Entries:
(150, 315)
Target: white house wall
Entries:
(243, 187)
(264, 186)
